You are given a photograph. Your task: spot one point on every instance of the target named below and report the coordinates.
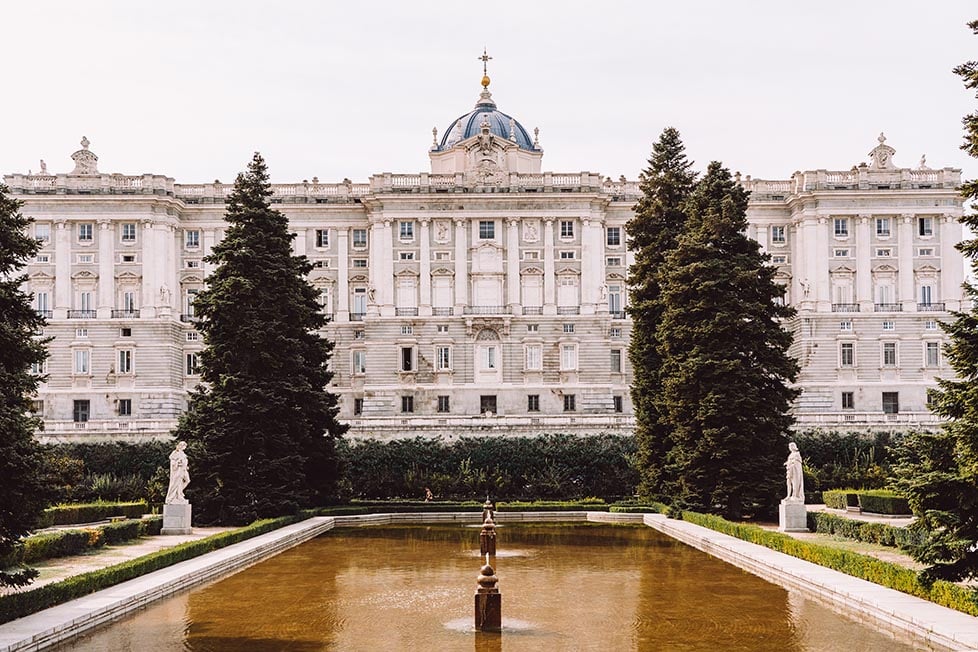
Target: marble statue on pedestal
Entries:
(176, 508)
(792, 515)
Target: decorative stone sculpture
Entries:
(792, 515)
(177, 510)
(85, 161)
(164, 295)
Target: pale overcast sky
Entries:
(334, 90)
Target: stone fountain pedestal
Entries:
(488, 602)
(176, 519)
(792, 516)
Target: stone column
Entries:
(549, 271)
(907, 296)
(461, 267)
(208, 246)
(106, 270)
(168, 234)
(151, 285)
(592, 267)
(797, 248)
(864, 264)
(385, 291)
(299, 244)
(952, 265)
(424, 307)
(820, 280)
(343, 274)
(761, 236)
(62, 269)
(375, 272)
(513, 265)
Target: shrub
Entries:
(879, 533)
(90, 512)
(854, 459)
(880, 501)
(64, 543)
(835, 498)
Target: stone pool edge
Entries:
(894, 611)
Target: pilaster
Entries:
(62, 269)
(906, 296)
(513, 265)
(343, 274)
(549, 270)
(461, 267)
(424, 308)
(864, 264)
(106, 270)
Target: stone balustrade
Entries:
(860, 178)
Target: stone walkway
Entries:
(895, 521)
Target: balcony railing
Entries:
(532, 310)
(845, 307)
(443, 312)
(406, 312)
(485, 310)
(188, 318)
(46, 314)
(125, 314)
(617, 314)
(568, 310)
(887, 307)
(930, 307)
(357, 316)
(81, 314)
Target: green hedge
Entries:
(861, 566)
(835, 498)
(63, 543)
(18, 605)
(90, 512)
(879, 533)
(874, 501)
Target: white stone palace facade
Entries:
(486, 295)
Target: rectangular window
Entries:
(193, 364)
(37, 407)
(614, 236)
(39, 368)
(841, 253)
(357, 406)
(778, 235)
(931, 354)
(925, 226)
(568, 328)
(533, 328)
(487, 229)
(407, 358)
(841, 226)
(891, 402)
(531, 255)
(534, 357)
(845, 325)
(359, 262)
(848, 401)
(125, 361)
(359, 362)
(570, 403)
(847, 354)
(322, 238)
(619, 403)
(407, 330)
(84, 232)
(443, 255)
(407, 404)
(444, 404)
(129, 232)
(406, 230)
(779, 260)
(407, 255)
(925, 251)
(358, 335)
(442, 328)
(81, 410)
(889, 325)
(613, 262)
(128, 258)
(926, 294)
(81, 333)
(193, 264)
(566, 229)
(615, 332)
(568, 357)
(82, 361)
(487, 404)
(42, 258)
(42, 232)
(127, 332)
(191, 239)
(532, 402)
(124, 407)
(43, 302)
(883, 227)
(86, 258)
(889, 354)
(359, 238)
(884, 253)
(930, 325)
(193, 336)
(616, 361)
(443, 358)
(567, 255)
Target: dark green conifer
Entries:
(725, 364)
(22, 492)
(262, 428)
(652, 233)
(938, 472)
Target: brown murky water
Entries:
(564, 587)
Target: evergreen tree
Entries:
(261, 429)
(938, 472)
(725, 365)
(652, 232)
(22, 490)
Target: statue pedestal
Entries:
(488, 612)
(792, 517)
(176, 519)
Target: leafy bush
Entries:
(118, 470)
(835, 498)
(107, 486)
(64, 543)
(878, 533)
(90, 512)
(834, 460)
(881, 501)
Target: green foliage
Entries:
(514, 468)
(261, 428)
(939, 472)
(23, 493)
(104, 470)
(18, 605)
(878, 533)
(725, 363)
(874, 501)
(64, 543)
(653, 231)
(861, 566)
(836, 498)
(834, 460)
(90, 512)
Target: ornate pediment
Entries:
(407, 272)
(568, 271)
(442, 271)
(843, 270)
(531, 271)
(84, 275)
(358, 278)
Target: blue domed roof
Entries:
(499, 124)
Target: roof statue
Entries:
(882, 155)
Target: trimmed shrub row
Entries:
(874, 501)
(50, 545)
(879, 533)
(861, 566)
(18, 605)
(90, 512)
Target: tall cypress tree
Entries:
(262, 428)
(938, 472)
(725, 365)
(652, 233)
(22, 491)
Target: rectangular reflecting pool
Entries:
(564, 587)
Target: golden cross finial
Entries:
(484, 59)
